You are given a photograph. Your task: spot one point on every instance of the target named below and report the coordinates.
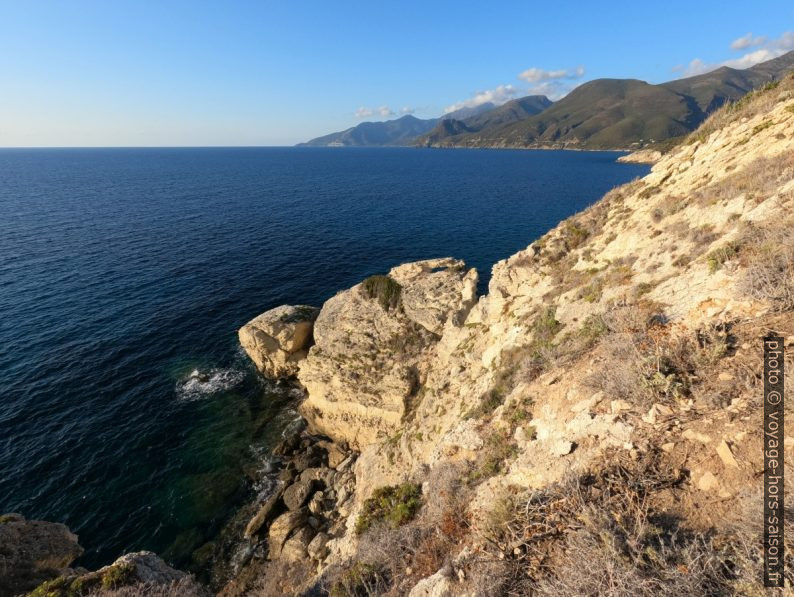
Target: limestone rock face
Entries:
(148, 568)
(279, 339)
(33, 551)
(641, 156)
(370, 357)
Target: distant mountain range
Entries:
(401, 131)
(599, 114)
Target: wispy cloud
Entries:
(747, 41)
(552, 83)
(765, 49)
(382, 111)
(539, 75)
(498, 96)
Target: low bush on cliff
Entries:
(769, 258)
(393, 505)
(383, 289)
(610, 532)
(390, 561)
(645, 360)
(360, 580)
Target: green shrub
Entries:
(489, 402)
(56, 587)
(545, 327)
(760, 127)
(117, 575)
(361, 579)
(574, 235)
(498, 448)
(393, 505)
(718, 257)
(384, 289)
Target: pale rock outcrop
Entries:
(641, 156)
(33, 551)
(279, 339)
(147, 567)
(369, 360)
(437, 585)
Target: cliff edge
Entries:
(600, 403)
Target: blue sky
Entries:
(173, 72)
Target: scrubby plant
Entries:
(574, 234)
(361, 579)
(384, 289)
(117, 575)
(498, 448)
(544, 329)
(768, 256)
(392, 505)
(718, 257)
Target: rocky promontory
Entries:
(607, 384)
(279, 339)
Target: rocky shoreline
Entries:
(293, 523)
(600, 404)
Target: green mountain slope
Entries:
(616, 113)
(512, 111)
(401, 131)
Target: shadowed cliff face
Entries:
(32, 551)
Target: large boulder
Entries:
(278, 339)
(372, 344)
(282, 529)
(33, 551)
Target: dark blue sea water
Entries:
(122, 271)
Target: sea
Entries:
(127, 409)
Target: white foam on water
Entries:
(202, 384)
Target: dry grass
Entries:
(757, 102)
(758, 181)
(187, 587)
(389, 561)
(646, 360)
(609, 533)
(768, 254)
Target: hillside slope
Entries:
(400, 131)
(619, 113)
(510, 112)
(600, 404)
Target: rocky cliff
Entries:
(600, 403)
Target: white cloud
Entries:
(407, 110)
(382, 111)
(539, 75)
(497, 96)
(767, 49)
(747, 41)
(552, 83)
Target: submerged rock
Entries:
(278, 339)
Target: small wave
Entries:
(199, 384)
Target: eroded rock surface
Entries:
(368, 360)
(33, 551)
(279, 339)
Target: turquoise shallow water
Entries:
(125, 271)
